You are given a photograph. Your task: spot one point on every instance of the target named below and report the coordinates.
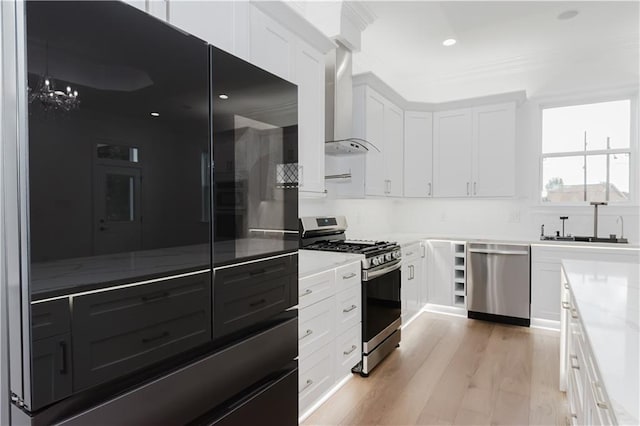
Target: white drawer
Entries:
(348, 276)
(315, 377)
(316, 326)
(349, 308)
(315, 288)
(348, 351)
(412, 251)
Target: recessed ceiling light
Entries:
(449, 42)
(155, 114)
(223, 96)
(568, 14)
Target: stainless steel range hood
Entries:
(339, 105)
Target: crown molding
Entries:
(358, 13)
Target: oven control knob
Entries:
(381, 257)
(388, 256)
(375, 261)
(397, 254)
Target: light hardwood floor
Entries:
(450, 370)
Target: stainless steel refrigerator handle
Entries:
(520, 253)
(368, 276)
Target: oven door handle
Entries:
(370, 275)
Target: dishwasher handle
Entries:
(508, 252)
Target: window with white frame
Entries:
(586, 153)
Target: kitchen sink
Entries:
(577, 238)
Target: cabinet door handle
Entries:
(409, 254)
(575, 366)
(63, 357)
(306, 334)
(467, 188)
(308, 383)
(257, 303)
(300, 176)
(574, 313)
(155, 296)
(565, 305)
(349, 276)
(429, 194)
(154, 338)
(600, 401)
(411, 272)
(306, 293)
(475, 188)
(353, 348)
(349, 309)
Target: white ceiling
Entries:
(502, 47)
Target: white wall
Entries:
(366, 218)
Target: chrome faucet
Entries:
(595, 205)
(621, 220)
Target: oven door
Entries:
(382, 306)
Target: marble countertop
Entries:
(607, 297)
(311, 262)
(67, 276)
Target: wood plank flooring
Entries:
(455, 371)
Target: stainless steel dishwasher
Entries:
(499, 282)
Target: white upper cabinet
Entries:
(159, 8)
(272, 46)
(138, 4)
(474, 152)
(380, 122)
(452, 139)
(494, 134)
(309, 75)
(418, 154)
(393, 149)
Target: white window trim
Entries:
(634, 164)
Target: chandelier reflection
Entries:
(53, 99)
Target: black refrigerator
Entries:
(162, 225)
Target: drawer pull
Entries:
(566, 286)
(306, 293)
(598, 396)
(259, 302)
(307, 334)
(574, 313)
(409, 254)
(154, 338)
(63, 356)
(353, 348)
(257, 272)
(155, 296)
(348, 276)
(565, 305)
(575, 366)
(308, 383)
(349, 309)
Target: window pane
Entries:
(564, 179)
(564, 128)
(119, 202)
(619, 177)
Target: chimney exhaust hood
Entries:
(339, 105)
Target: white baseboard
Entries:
(322, 400)
(545, 324)
(447, 310)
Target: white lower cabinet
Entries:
(440, 273)
(545, 273)
(588, 403)
(329, 330)
(348, 351)
(315, 376)
(413, 276)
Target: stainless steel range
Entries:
(381, 308)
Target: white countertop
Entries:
(406, 238)
(311, 262)
(607, 296)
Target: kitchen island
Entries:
(600, 363)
